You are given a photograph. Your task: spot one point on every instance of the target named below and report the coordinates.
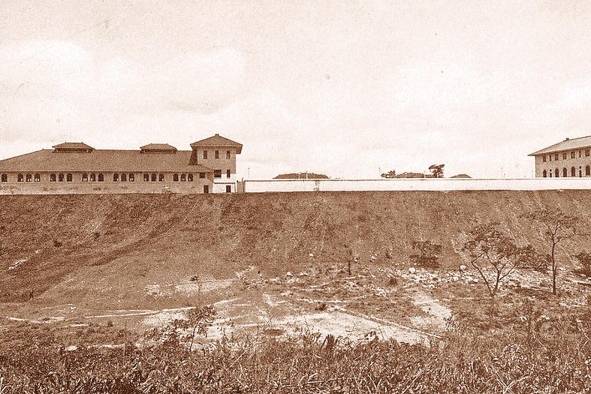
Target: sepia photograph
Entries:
(295, 196)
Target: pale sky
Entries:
(344, 88)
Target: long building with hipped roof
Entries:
(77, 168)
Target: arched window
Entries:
(564, 173)
(69, 177)
(183, 177)
(4, 178)
(175, 177)
(115, 177)
(161, 177)
(131, 178)
(60, 177)
(93, 177)
(85, 177)
(123, 177)
(52, 178)
(101, 177)
(228, 155)
(37, 178)
(556, 173)
(573, 171)
(154, 177)
(28, 178)
(146, 177)
(544, 174)
(19, 178)
(190, 177)
(587, 170)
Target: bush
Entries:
(428, 254)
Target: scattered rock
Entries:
(412, 270)
(463, 268)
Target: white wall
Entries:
(418, 184)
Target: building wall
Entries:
(77, 186)
(582, 159)
(415, 184)
(218, 164)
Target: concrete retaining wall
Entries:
(415, 184)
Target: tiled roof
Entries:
(158, 147)
(72, 146)
(218, 141)
(101, 160)
(567, 144)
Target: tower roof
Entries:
(218, 141)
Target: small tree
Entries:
(489, 249)
(557, 227)
(436, 170)
(428, 254)
(389, 174)
(584, 259)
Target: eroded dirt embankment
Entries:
(111, 247)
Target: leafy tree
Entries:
(436, 170)
(389, 174)
(584, 259)
(428, 254)
(557, 227)
(489, 249)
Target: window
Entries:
(190, 177)
(550, 157)
(93, 177)
(85, 177)
(4, 178)
(228, 174)
(146, 177)
(60, 177)
(183, 177)
(550, 173)
(123, 177)
(228, 155)
(544, 174)
(556, 157)
(115, 177)
(52, 178)
(205, 189)
(161, 177)
(175, 177)
(205, 154)
(556, 173)
(587, 152)
(572, 155)
(228, 189)
(217, 173)
(28, 178)
(564, 156)
(564, 173)
(573, 171)
(101, 177)
(20, 178)
(154, 177)
(69, 177)
(131, 177)
(217, 154)
(37, 178)
(201, 175)
(587, 170)
(544, 158)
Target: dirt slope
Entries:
(108, 248)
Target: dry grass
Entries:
(527, 358)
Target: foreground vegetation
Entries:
(538, 356)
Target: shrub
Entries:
(428, 254)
